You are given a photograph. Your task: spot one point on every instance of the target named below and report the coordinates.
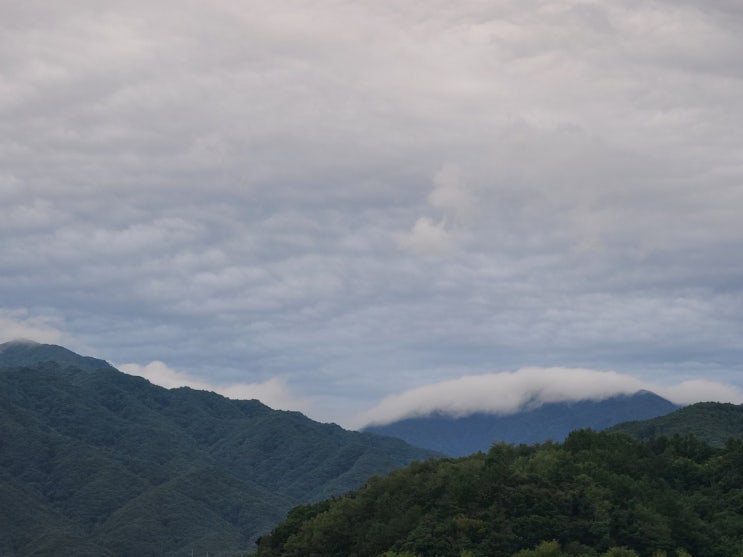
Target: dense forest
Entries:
(95, 462)
(714, 422)
(595, 494)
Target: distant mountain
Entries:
(96, 462)
(477, 432)
(712, 422)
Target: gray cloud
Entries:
(366, 197)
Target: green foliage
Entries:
(544, 549)
(595, 494)
(96, 462)
(620, 552)
(27, 353)
(714, 422)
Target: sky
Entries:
(362, 209)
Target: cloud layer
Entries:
(364, 197)
(18, 324)
(273, 392)
(527, 388)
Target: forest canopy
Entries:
(595, 494)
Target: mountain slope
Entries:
(593, 494)
(477, 432)
(30, 353)
(712, 422)
(97, 462)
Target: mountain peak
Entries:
(25, 352)
(18, 342)
(164, 470)
(477, 431)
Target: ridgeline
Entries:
(96, 462)
(596, 494)
(461, 436)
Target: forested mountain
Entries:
(96, 462)
(713, 422)
(549, 422)
(596, 494)
(30, 353)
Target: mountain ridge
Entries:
(26, 352)
(713, 422)
(595, 494)
(99, 462)
(460, 436)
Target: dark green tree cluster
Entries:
(596, 494)
(715, 422)
(94, 462)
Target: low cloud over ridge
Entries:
(272, 392)
(530, 387)
(16, 324)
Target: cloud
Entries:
(273, 392)
(455, 203)
(510, 392)
(451, 194)
(701, 390)
(17, 324)
(364, 197)
(428, 238)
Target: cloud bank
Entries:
(366, 197)
(510, 392)
(273, 393)
(18, 324)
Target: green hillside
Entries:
(597, 494)
(97, 462)
(30, 353)
(713, 422)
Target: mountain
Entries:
(459, 436)
(97, 462)
(713, 422)
(24, 352)
(595, 494)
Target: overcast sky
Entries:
(326, 203)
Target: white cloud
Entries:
(509, 392)
(452, 195)
(273, 392)
(428, 238)
(455, 203)
(17, 324)
(701, 390)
